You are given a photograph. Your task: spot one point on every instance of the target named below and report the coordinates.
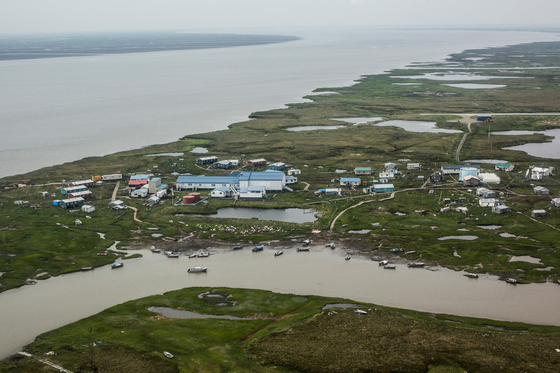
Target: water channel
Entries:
(31, 310)
(292, 215)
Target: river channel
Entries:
(32, 310)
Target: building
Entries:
(350, 181)
(383, 188)
(450, 169)
(467, 171)
(485, 193)
(256, 162)
(501, 209)
(88, 208)
(471, 181)
(539, 214)
(73, 189)
(436, 178)
(362, 170)
(71, 203)
(85, 194)
(206, 160)
(141, 177)
(278, 166)
(87, 183)
(487, 202)
(291, 180)
(153, 200)
(272, 181)
(421, 178)
(462, 209)
(541, 191)
(137, 184)
(555, 202)
(221, 192)
(116, 205)
(222, 165)
(139, 193)
(252, 192)
(504, 167)
(489, 178)
(413, 166)
(294, 171)
(384, 177)
(390, 166)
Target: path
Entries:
(135, 214)
(114, 196)
(540, 222)
(46, 362)
(307, 185)
(356, 205)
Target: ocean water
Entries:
(56, 110)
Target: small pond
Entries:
(164, 155)
(507, 235)
(184, 314)
(356, 121)
(489, 226)
(544, 150)
(476, 86)
(216, 298)
(312, 128)
(454, 76)
(292, 215)
(525, 258)
(339, 305)
(361, 231)
(416, 126)
(464, 238)
(199, 150)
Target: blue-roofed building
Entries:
(278, 166)
(350, 181)
(272, 181)
(383, 188)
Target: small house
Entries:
(390, 166)
(350, 181)
(256, 162)
(555, 202)
(206, 160)
(421, 178)
(221, 192)
(413, 166)
(362, 170)
(471, 181)
(541, 191)
(116, 205)
(87, 183)
(487, 202)
(71, 203)
(501, 209)
(153, 200)
(436, 178)
(384, 177)
(278, 166)
(88, 208)
(450, 169)
(85, 194)
(539, 214)
(222, 165)
(504, 167)
(383, 188)
(333, 191)
(445, 209)
(139, 193)
(255, 191)
(73, 189)
(486, 193)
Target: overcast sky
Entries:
(31, 16)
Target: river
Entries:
(31, 310)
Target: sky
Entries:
(44, 16)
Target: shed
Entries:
(222, 164)
(116, 205)
(362, 170)
(487, 202)
(501, 209)
(294, 171)
(445, 209)
(383, 188)
(462, 209)
(350, 181)
(504, 167)
(489, 178)
(153, 200)
(256, 162)
(71, 203)
(539, 214)
(333, 192)
(88, 208)
(541, 191)
(207, 160)
(139, 193)
(470, 180)
(556, 202)
(291, 179)
(436, 178)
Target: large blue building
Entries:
(272, 181)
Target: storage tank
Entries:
(465, 171)
(195, 195)
(188, 199)
(184, 199)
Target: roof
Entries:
(155, 179)
(501, 207)
(223, 189)
(383, 186)
(350, 179)
(487, 200)
(230, 179)
(539, 211)
(503, 165)
(140, 177)
(161, 186)
(70, 200)
(363, 169)
(261, 176)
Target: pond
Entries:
(361, 231)
(164, 155)
(199, 150)
(291, 215)
(544, 150)
(339, 305)
(312, 128)
(454, 76)
(489, 226)
(476, 86)
(356, 121)
(507, 235)
(486, 161)
(416, 126)
(525, 258)
(464, 238)
(184, 314)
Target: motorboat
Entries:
(116, 265)
(389, 267)
(360, 312)
(168, 355)
(154, 250)
(302, 249)
(306, 242)
(87, 268)
(415, 265)
(173, 254)
(193, 255)
(258, 248)
(471, 275)
(331, 245)
(197, 269)
(279, 252)
(510, 280)
(101, 254)
(238, 247)
(203, 254)
(347, 257)
(383, 262)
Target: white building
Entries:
(489, 178)
(487, 202)
(221, 192)
(254, 191)
(139, 193)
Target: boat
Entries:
(101, 254)
(306, 242)
(360, 312)
(410, 252)
(238, 247)
(168, 355)
(87, 268)
(116, 265)
(258, 248)
(415, 265)
(347, 257)
(471, 275)
(154, 250)
(173, 254)
(203, 254)
(383, 262)
(510, 280)
(279, 252)
(331, 245)
(302, 249)
(197, 269)
(193, 255)
(389, 267)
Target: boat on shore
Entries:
(471, 275)
(510, 280)
(168, 355)
(116, 265)
(101, 254)
(306, 242)
(173, 254)
(278, 253)
(360, 312)
(331, 245)
(154, 250)
(197, 269)
(87, 268)
(238, 247)
(302, 249)
(193, 255)
(415, 265)
(389, 267)
(347, 257)
(383, 262)
(203, 254)
(257, 248)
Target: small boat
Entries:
(168, 355)
(116, 265)
(154, 250)
(238, 247)
(471, 275)
(101, 254)
(302, 249)
(197, 269)
(173, 255)
(306, 242)
(389, 267)
(360, 312)
(415, 265)
(258, 248)
(87, 268)
(347, 257)
(410, 252)
(510, 280)
(279, 252)
(383, 262)
(331, 245)
(193, 255)
(203, 254)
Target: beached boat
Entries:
(410, 252)
(154, 250)
(360, 312)
(193, 255)
(197, 269)
(116, 265)
(168, 355)
(203, 254)
(347, 257)
(389, 267)
(471, 275)
(510, 280)
(87, 268)
(331, 245)
(383, 262)
(279, 252)
(238, 247)
(101, 254)
(258, 248)
(306, 242)
(302, 249)
(415, 265)
(173, 255)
